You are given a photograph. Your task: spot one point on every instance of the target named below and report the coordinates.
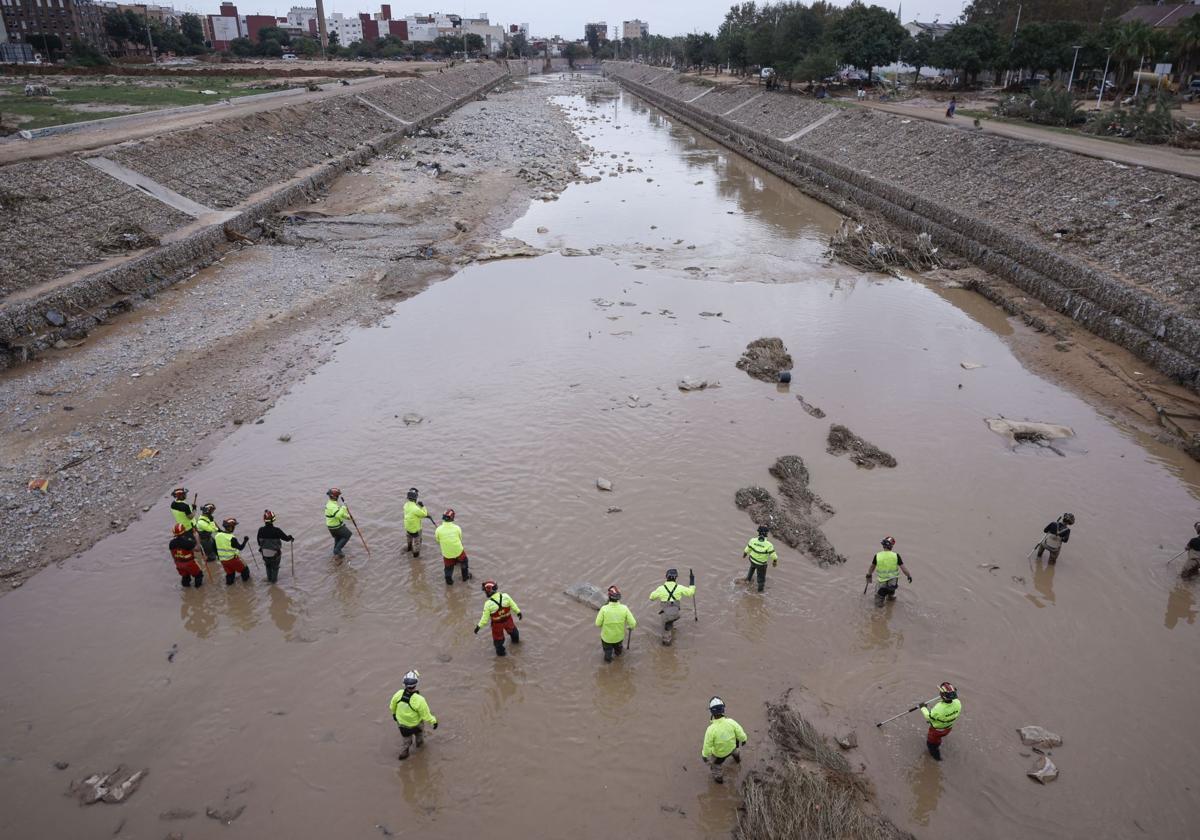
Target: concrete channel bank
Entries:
(61, 219)
(1108, 245)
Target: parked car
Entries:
(289, 56)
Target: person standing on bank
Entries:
(887, 566)
(758, 551)
(336, 514)
(270, 545)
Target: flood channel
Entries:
(533, 378)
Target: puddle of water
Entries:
(527, 389)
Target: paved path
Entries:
(13, 150)
(1162, 158)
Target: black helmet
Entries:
(1068, 518)
(412, 494)
(763, 530)
(1197, 527)
(888, 543)
(672, 574)
(209, 508)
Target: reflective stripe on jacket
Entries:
(943, 714)
(760, 551)
(887, 566)
(497, 608)
(722, 737)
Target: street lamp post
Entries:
(1071, 80)
(1104, 78)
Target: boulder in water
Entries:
(586, 593)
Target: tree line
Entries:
(810, 41)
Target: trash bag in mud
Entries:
(1044, 771)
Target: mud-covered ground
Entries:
(113, 423)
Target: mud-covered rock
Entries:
(866, 455)
(113, 787)
(810, 409)
(232, 805)
(1036, 736)
(791, 522)
(765, 358)
(1044, 770)
(586, 593)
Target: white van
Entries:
(289, 56)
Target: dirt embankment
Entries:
(1110, 246)
(167, 379)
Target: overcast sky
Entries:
(556, 17)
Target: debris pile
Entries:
(797, 519)
(764, 358)
(876, 246)
(125, 236)
(864, 454)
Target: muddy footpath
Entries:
(97, 429)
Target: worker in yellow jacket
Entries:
(414, 515)
(410, 710)
(449, 538)
(612, 620)
(336, 514)
(941, 718)
(670, 594)
(497, 611)
(759, 551)
(206, 530)
(723, 738)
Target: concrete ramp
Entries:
(387, 114)
(754, 98)
(811, 126)
(152, 188)
(705, 93)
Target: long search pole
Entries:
(905, 712)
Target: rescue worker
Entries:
(498, 609)
(758, 551)
(410, 710)
(449, 537)
(227, 552)
(723, 738)
(1193, 555)
(941, 718)
(181, 510)
(183, 552)
(1057, 534)
(887, 566)
(414, 514)
(270, 545)
(671, 593)
(336, 514)
(206, 530)
(612, 620)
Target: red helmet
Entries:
(614, 594)
(268, 516)
(179, 492)
(489, 586)
(448, 516)
(179, 530)
(333, 492)
(947, 692)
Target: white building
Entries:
(301, 15)
(491, 33)
(634, 29)
(348, 30)
(936, 30)
(601, 29)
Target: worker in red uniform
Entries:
(498, 609)
(183, 552)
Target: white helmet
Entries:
(410, 679)
(716, 706)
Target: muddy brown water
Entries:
(526, 382)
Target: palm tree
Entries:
(1187, 41)
(1134, 40)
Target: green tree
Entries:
(48, 45)
(306, 46)
(242, 47)
(592, 34)
(969, 49)
(116, 27)
(572, 52)
(916, 52)
(473, 43)
(1187, 46)
(520, 45)
(818, 65)
(192, 29)
(274, 33)
(447, 45)
(867, 36)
